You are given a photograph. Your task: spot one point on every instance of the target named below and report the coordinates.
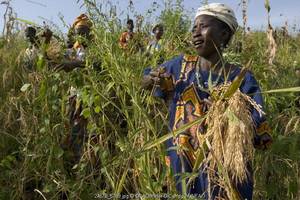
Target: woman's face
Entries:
(159, 31)
(208, 35)
(82, 31)
(30, 35)
(130, 26)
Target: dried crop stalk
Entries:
(230, 135)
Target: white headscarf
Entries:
(221, 12)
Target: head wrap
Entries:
(82, 20)
(221, 12)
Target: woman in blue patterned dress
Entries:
(180, 82)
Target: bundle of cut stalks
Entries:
(230, 134)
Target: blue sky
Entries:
(36, 10)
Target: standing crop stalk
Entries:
(272, 47)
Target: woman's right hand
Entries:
(156, 78)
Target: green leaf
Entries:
(40, 63)
(293, 89)
(43, 130)
(96, 149)
(97, 100)
(54, 88)
(58, 152)
(8, 162)
(109, 177)
(173, 134)
(27, 21)
(267, 5)
(47, 188)
(42, 91)
(47, 122)
(86, 112)
(25, 87)
(109, 86)
(234, 86)
(122, 180)
(97, 109)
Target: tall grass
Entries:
(123, 119)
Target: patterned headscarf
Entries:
(221, 12)
(82, 20)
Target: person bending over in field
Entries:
(31, 52)
(75, 55)
(155, 46)
(75, 58)
(127, 36)
(183, 83)
(35, 48)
